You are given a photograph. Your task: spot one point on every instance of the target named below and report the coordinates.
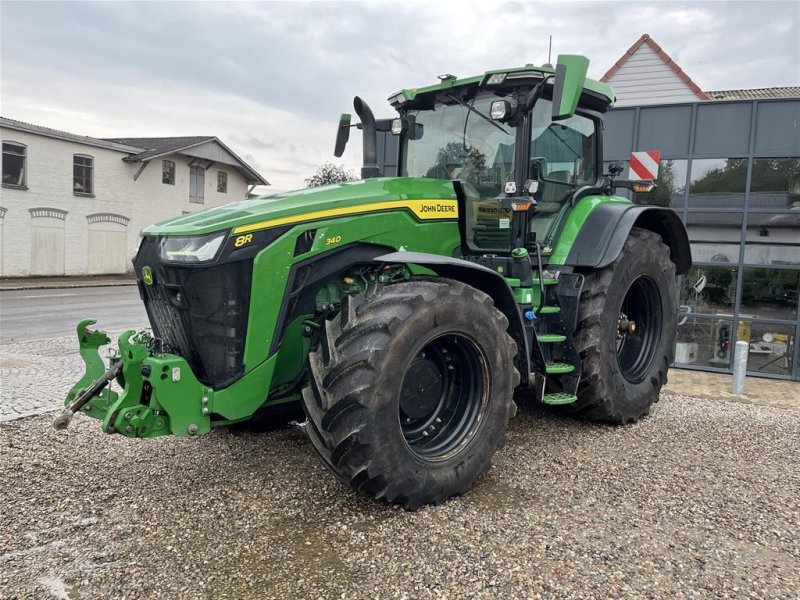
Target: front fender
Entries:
(603, 233)
(479, 277)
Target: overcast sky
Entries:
(270, 79)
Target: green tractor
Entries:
(405, 314)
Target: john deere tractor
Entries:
(405, 312)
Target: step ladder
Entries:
(560, 364)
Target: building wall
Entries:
(58, 242)
(646, 79)
(731, 170)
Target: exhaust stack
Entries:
(370, 139)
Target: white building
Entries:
(74, 205)
(646, 74)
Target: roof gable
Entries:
(205, 147)
(646, 71)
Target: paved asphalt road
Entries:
(38, 314)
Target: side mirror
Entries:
(570, 76)
(342, 135)
(538, 168)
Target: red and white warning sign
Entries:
(644, 165)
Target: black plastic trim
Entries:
(485, 280)
(604, 232)
(300, 295)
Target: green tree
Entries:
(329, 173)
(455, 156)
(665, 186)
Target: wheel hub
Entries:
(422, 388)
(442, 394)
(638, 328)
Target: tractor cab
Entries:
(509, 138)
(491, 156)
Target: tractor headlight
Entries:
(503, 110)
(194, 249)
(496, 79)
(398, 126)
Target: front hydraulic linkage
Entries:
(62, 420)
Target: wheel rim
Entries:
(636, 348)
(443, 393)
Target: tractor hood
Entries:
(328, 201)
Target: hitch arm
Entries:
(63, 419)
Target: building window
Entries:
(168, 172)
(14, 165)
(197, 182)
(222, 182)
(82, 175)
(717, 183)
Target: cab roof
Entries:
(531, 72)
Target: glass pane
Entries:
(709, 290)
(773, 239)
(9, 148)
(193, 184)
(770, 293)
(671, 185)
(82, 179)
(775, 183)
(771, 347)
(704, 342)
(718, 183)
(567, 147)
(13, 169)
(714, 236)
(455, 143)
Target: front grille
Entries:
(199, 312)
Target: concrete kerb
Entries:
(46, 283)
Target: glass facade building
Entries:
(731, 170)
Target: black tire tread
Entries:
(596, 400)
(345, 366)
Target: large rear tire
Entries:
(411, 390)
(624, 370)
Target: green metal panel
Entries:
(282, 209)
(575, 221)
(570, 78)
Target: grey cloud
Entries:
(305, 61)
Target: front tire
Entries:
(411, 390)
(623, 370)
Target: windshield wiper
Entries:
(477, 112)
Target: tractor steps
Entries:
(554, 357)
(547, 281)
(551, 338)
(559, 399)
(558, 368)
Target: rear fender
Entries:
(605, 230)
(483, 279)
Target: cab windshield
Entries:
(453, 142)
(456, 143)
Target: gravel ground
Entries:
(701, 499)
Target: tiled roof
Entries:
(136, 149)
(70, 137)
(646, 39)
(161, 145)
(756, 94)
